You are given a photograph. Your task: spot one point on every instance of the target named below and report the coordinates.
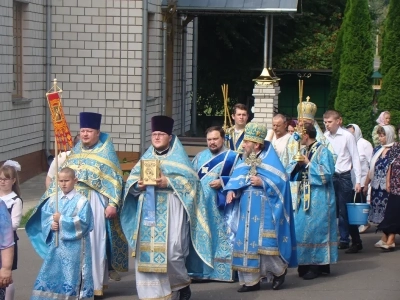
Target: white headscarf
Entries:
(390, 135)
(357, 132)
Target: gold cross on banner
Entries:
(253, 161)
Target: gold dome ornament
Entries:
(266, 77)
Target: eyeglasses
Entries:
(5, 179)
(158, 135)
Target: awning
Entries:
(234, 6)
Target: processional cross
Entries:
(253, 161)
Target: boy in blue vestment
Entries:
(67, 268)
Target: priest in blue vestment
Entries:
(265, 242)
(164, 211)
(315, 217)
(66, 272)
(97, 168)
(214, 166)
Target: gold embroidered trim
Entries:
(268, 234)
(248, 270)
(96, 157)
(95, 170)
(154, 247)
(268, 252)
(152, 268)
(248, 256)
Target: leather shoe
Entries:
(312, 273)
(278, 281)
(354, 248)
(245, 288)
(343, 245)
(302, 270)
(185, 293)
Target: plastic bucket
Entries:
(358, 213)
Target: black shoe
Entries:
(302, 270)
(325, 269)
(354, 248)
(185, 293)
(312, 273)
(343, 245)
(245, 288)
(278, 281)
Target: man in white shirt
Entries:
(345, 147)
(281, 136)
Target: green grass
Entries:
(25, 218)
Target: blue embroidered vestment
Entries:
(210, 167)
(67, 269)
(184, 183)
(316, 227)
(266, 224)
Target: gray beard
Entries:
(246, 155)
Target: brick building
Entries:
(108, 57)
(126, 59)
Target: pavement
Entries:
(32, 190)
(369, 275)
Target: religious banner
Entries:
(61, 130)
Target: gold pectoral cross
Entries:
(306, 191)
(253, 161)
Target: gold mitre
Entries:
(308, 109)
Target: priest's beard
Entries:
(247, 154)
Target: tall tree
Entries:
(389, 98)
(354, 94)
(336, 60)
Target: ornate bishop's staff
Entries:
(226, 108)
(300, 125)
(63, 138)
